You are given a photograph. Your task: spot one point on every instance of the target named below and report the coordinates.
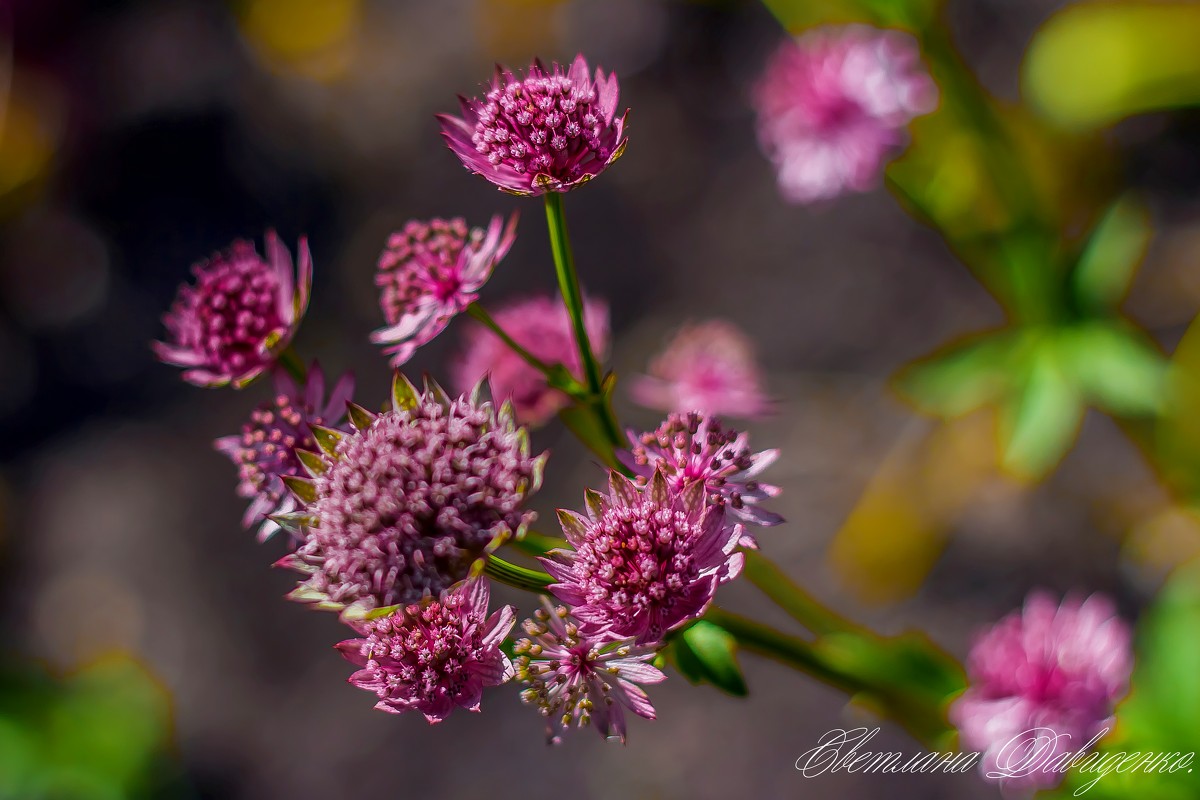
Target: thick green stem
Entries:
(294, 365)
(537, 544)
(484, 318)
(568, 284)
(788, 595)
(531, 580)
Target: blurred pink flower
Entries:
(542, 326)
(549, 131)
(1044, 682)
(709, 368)
(241, 312)
(435, 656)
(429, 273)
(645, 559)
(579, 680)
(265, 450)
(832, 107)
(692, 447)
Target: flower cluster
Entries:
(242, 311)
(265, 451)
(402, 506)
(1049, 667)
(833, 105)
(542, 327)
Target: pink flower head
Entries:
(576, 680)
(265, 451)
(433, 656)
(241, 312)
(1044, 682)
(691, 447)
(429, 273)
(645, 559)
(402, 506)
(709, 368)
(542, 326)
(549, 131)
(832, 107)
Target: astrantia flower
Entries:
(401, 507)
(646, 558)
(576, 680)
(266, 449)
(429, 273)
(433, 656)
(1044, 682)
(691, 447)
(241, 312)
(548, 131)
(708, 367)
(832, 107)
(542, 326)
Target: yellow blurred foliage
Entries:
(314, 38)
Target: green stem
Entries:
(294, 365)
(568, 284)
(531, 580)
(484, 318)
(788, 595)
(537, 544)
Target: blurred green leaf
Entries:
(1112, 256)
(797, 15)
(1095, 63)
(1042, 418)
(706, 653)
(963, 376)
(1117, 368)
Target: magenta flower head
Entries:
(265, 452)
(692, 447)
(241, 312)
(708, 367)
(542, 326)
(429, 273)
(400, 508)
(576, 680)
(832, 107)
(548, 131)
(1044, 684)
(645, 559)
(434, 656)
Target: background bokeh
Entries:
(140, 136)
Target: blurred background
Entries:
(147, 650)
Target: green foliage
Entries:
(706, 653)
(799, 14)
(1105, 270)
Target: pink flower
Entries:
(265, 450)
(709, 368)
(832, 107)
(691, 447)
(434, 656)
(401, 507)
(1044, 682)
(542, 326)
(239, 315)
(645, 559)
(580, 680)
(429, 273)
(549, 131)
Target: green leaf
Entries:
(1042, 418)
(962, 377)
(1118, 368)
(706, 653)
(1113, 253)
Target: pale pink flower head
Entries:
(549, 131)
(542, 326)
(434, 656)
(1043, 682)
(400, 508)
(576, 680)
(833, 105)
(241, 312)
(429, 273)
(692, 447)
(265, 451)
(709, 367)
(645, 558)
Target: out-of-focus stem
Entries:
(537, 544)
(789, 596)
(294, 365)
(484, 318)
